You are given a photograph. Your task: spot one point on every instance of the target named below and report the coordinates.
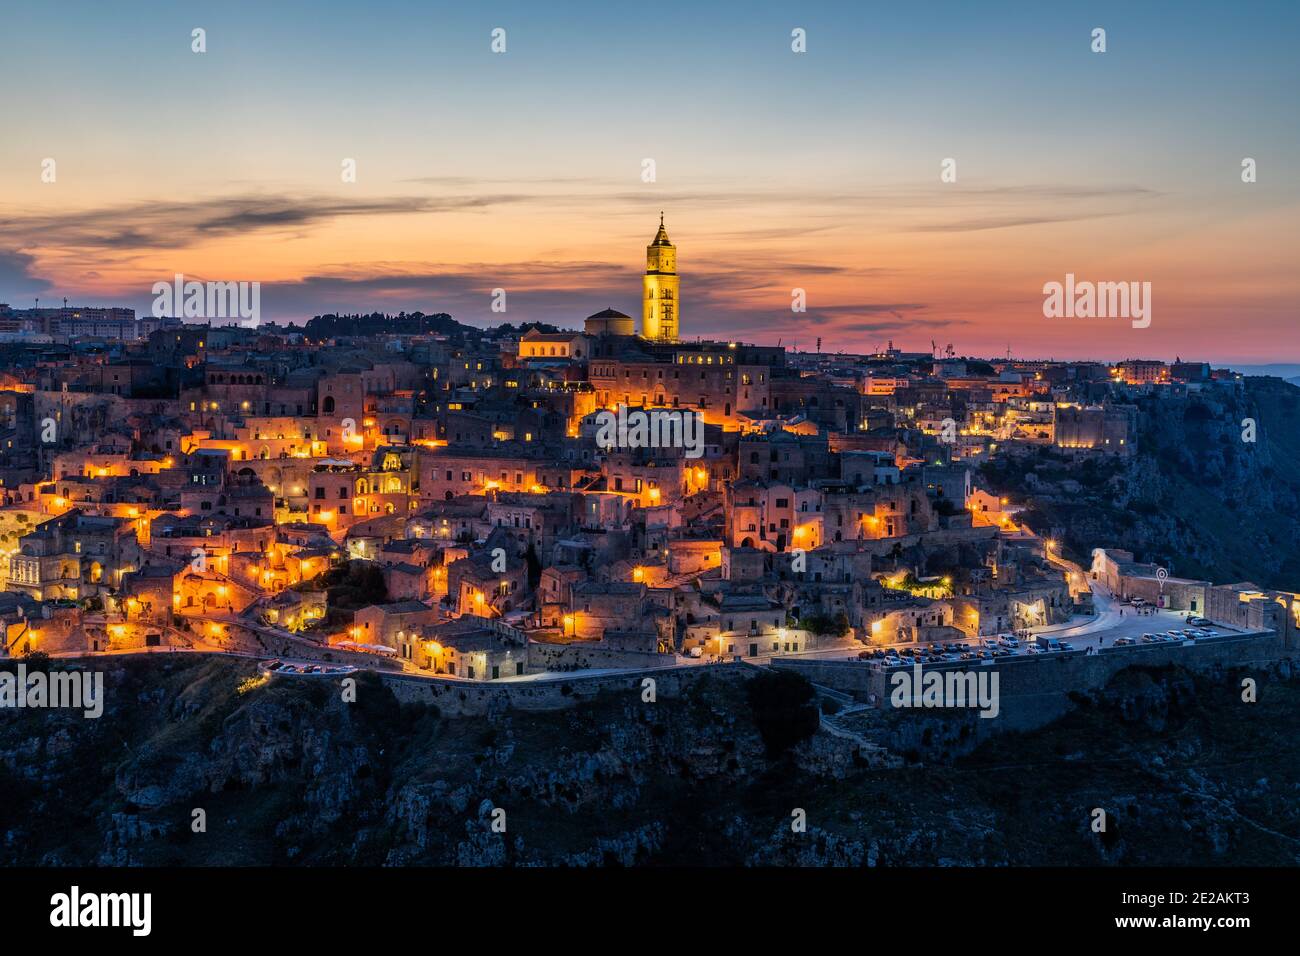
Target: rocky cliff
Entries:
(1197, 498)
(285, 772)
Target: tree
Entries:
(534, 567)
(350, 586)
(784, 708)
(824, 624)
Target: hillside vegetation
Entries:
(288, 774)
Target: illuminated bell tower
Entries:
(660, 315)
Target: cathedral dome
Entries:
(609, 322)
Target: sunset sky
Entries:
(775, 170)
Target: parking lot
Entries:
(990, 649)
(1115, 624)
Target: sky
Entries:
(775, 170)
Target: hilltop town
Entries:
(452, 506)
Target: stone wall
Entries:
(1176, 594)
(1034, 690)
(583, 655)
(459, 697)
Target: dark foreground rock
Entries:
(286, 773)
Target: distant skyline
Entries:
(775, 170)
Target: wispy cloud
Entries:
(732, 293)
(170, 225)
(17, 273)
(564, 293)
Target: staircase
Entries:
(833, 723)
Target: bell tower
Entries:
(660, 310)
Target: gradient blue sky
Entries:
(775, 170)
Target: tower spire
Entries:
(660, 318)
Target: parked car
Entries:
(1127, 641)
(1066, 646)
